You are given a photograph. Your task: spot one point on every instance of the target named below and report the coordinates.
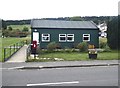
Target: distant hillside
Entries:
(17, 22)
(95, 19)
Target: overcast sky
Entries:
(28, 9)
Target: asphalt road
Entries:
(80, 76)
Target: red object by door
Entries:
(34, 44)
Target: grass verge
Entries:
(74, 56)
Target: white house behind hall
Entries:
(103, 28)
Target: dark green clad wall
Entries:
(78, 36)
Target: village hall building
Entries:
(66, 33)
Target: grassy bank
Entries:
(5, 42)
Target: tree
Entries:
(76, 18)
(4, 26)
(10, 28)
(112, 33)
(119, 32)
(25, 29)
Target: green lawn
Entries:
(66, 56)
(9, 41)
(108, 55)
(5, 42)
(77, 56)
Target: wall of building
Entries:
(78, 36)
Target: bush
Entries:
(75, 45)
(58, 46)
(25, 29)
(10, 28)
(22, 34)
(51, 46)
(14, 33)
(83, 47)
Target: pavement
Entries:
(19, 56)
(60, 64)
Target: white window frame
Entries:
(88, 35)
(44, 35)
(70, 35)
(62, 35)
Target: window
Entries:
(70, 37)
(45, 37)
(86, 37)
(62, 37)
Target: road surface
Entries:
(77, 76)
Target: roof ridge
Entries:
(60, 20)
(62, 24)
(94, 24)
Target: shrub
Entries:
(51, 46)
(83, 47)
(10, 28)
(22, 34)
(75, 45)
(25, 29)
(58, 46)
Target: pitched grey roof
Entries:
(37, 23)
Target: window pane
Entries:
(86, 38)
(62, 35)
(62, 38)
(86, 35)
(45, 38)
(69, 38)
(70, 35)
(45, 34)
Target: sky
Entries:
(29, 9)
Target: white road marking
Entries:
(56, 83)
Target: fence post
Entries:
(17, 46)
(27, 54)
(14, 47)
(23, 43)
(4, 53)
(10, 50)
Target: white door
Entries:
(36, 36)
